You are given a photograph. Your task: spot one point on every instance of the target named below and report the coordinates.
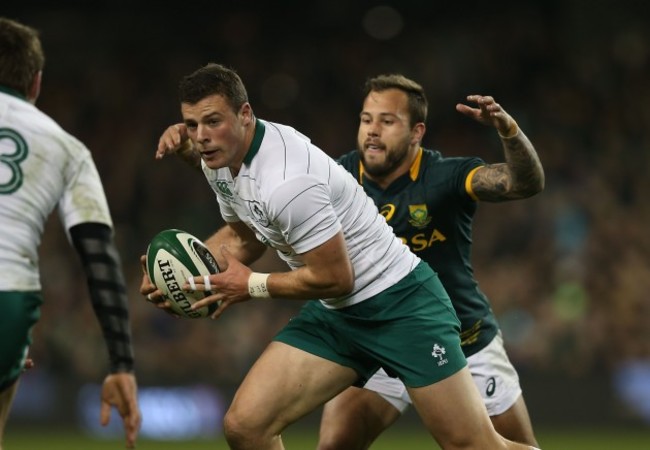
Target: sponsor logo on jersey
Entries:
(224, 188)
(419, 219)
(420, 241)
(387, 211)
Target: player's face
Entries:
(218, 132)
(385, 136)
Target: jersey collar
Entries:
(414, 171)
(260, 128)
(10, 91)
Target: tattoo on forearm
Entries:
(519, 177)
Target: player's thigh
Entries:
(453, 412)
(284, 384)
(354, 419)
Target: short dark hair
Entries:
(213, 79)
(21, 55)
(417, 99)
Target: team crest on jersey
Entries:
(257, 213)
(439, 352)
(419, 216)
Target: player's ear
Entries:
(35, 87)
(417, 133)
(246, 112)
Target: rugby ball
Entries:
(172, 257)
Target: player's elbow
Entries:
(525, 187)
(536, 185)
(541, 182)
(345, 283)
(338, 283)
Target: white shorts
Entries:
(492, 372)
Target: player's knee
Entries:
(245, 430)
(237, 431)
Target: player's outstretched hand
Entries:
(175, 140)
(490, 113)
(120, 391)
(172, 140)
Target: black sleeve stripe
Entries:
(103, 269)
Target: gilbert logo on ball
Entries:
(172, 257)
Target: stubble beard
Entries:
(393, 158)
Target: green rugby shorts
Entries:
(410, 329)
(20, 312)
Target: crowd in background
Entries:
(568, 271)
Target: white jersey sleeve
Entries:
(302, 208)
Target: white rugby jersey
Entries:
(295, 198)
(41, 167)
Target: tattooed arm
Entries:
(522, 175)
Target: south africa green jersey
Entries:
(431, 209)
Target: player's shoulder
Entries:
(18, 111)
(278, 145)
(435, 158)
(280, 133)
(284, 152)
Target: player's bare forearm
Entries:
(327, 273)
(525, 167)
(521, 176)
(240, 242)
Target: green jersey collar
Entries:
(260, 128)
(10, 91)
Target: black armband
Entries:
(103, 268)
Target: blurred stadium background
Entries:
(568, 271)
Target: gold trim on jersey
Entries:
(415, 167)
(470, 335)
(468, 183)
